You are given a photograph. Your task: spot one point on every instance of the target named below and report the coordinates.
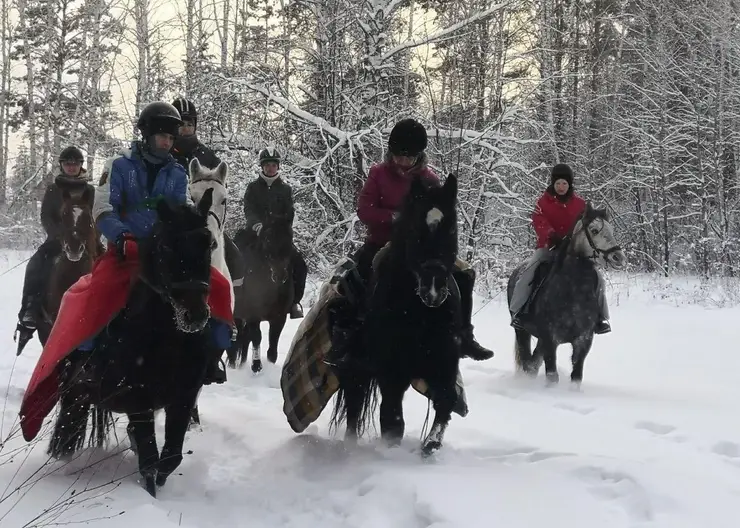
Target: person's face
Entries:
(164, 141)
(270, 169)
(561, 187)
(405, 162)
(187, 128)
(71, 168)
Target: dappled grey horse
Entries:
(565, 304)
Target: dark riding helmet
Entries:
(408, 138)
(561, 171)
(268, 155)
(187, 109)
(159, 117)
(71, 153)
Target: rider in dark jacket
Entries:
(270, 198)
(188, 146)
(38, 268)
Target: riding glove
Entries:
(125, 246)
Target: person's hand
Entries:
(257, 228)
(125, 245)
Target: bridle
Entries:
(604, 253)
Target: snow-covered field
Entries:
(653, 440)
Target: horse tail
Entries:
(522, 350)
(71, 425)
(101, 425)
(356, 402)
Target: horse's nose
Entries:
(618, 259)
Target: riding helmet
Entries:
(268, 155)
(187, 109)
(71, 153)
(408, 138)
(159, 117)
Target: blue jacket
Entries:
(121, 200)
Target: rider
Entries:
(379, 204)
(270, 198)
(188, 146)
(125, 208)
(71, 173)
(556, 212)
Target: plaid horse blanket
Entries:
(308, 383)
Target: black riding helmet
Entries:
(268, 155)
(159, 117)
(187, 109)
(71, 153)
(408, 138)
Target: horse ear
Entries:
(450, 187)
(194, 167)
(204, 204)
(222, 171)
(164, 211)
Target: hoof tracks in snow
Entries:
(619, 487)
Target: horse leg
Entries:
(547, 350)
(581, 348)
(444, 390)
(276, 328)
(392, 425)
(71, 424)
(176, 424)
(255, 336)
(144, 444)
(194, 414)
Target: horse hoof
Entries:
(272, 356)
(161, 479)
(575, 385)
(256, 365)
(430, 448)
(553, 378)
(150, 484)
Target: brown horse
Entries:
(81, 245)
(267, 292)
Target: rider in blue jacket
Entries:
(132, 183)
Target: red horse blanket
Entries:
(86, 308)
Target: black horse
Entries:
(153, 355)
(565, 307)
(267, 291)
(413, 321)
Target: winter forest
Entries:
(640, 97)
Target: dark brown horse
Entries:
(267, 291)
(81, 245)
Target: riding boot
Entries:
(296, 311)
(469, 346)
(602, 326)
(26, 323)
(300, 273)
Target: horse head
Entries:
(426, 230)
(593, 237)
(275, 243)
(78, 234)
(202, 179)
(176, 261)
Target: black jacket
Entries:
(187, 148)
(263, 202)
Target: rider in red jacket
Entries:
(556, 212)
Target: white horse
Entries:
(202, 179)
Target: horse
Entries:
(413, 322)
(136, 370)
(267, 292)
(81, 245)
(202, 180)
(565, 306)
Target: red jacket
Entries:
(552, 216)
(383, 194)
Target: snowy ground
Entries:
(653, 440)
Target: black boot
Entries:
(296, 311)
(215, 373)
(26, 324)
(603, 327)
(469, 346)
